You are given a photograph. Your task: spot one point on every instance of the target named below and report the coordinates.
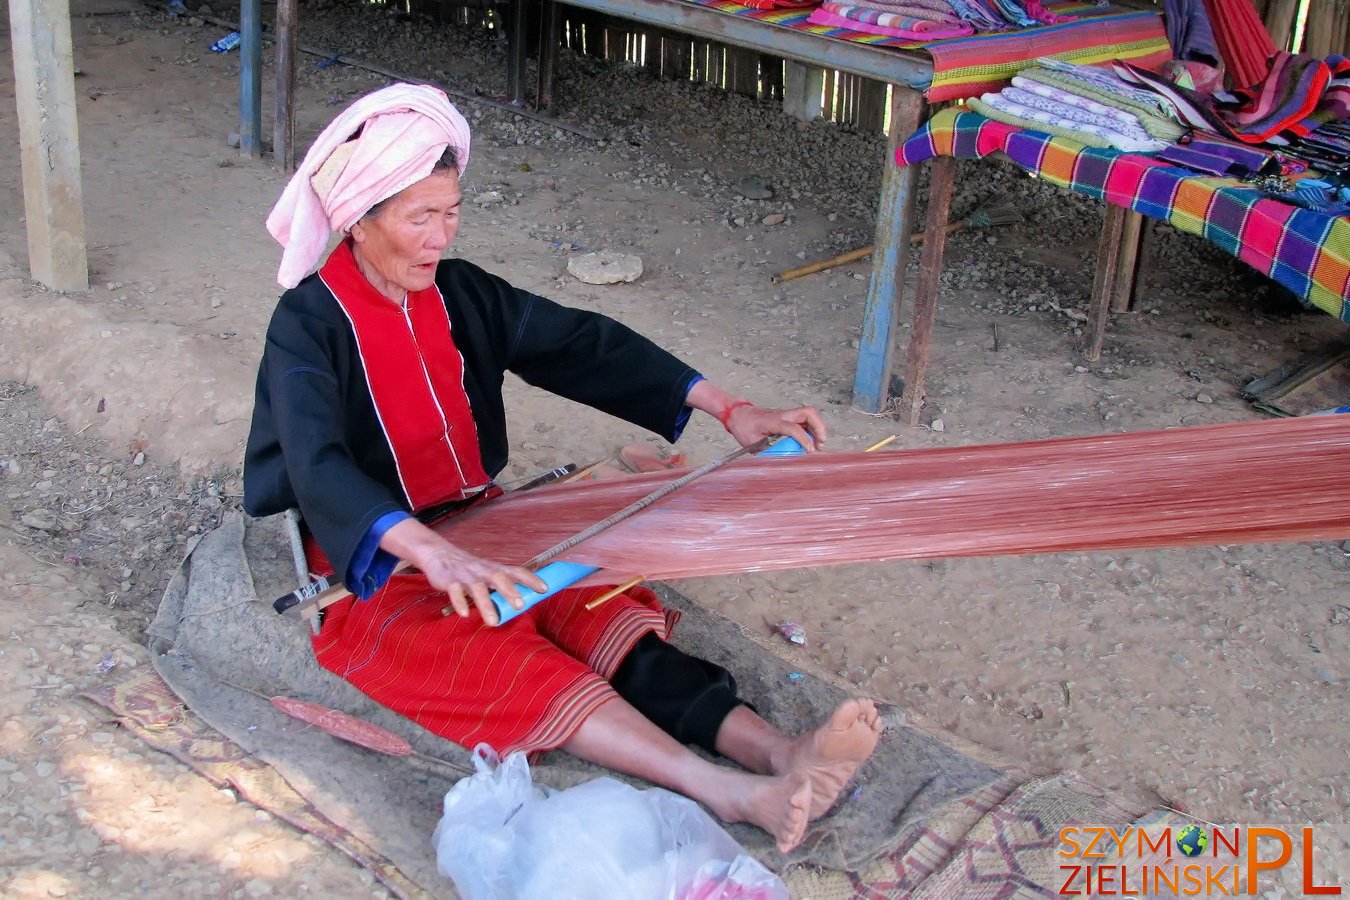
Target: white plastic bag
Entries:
(504, 838)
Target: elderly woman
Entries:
(379, 408)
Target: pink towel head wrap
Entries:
(404, 130)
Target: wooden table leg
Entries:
(1122, 293)
(941, 187)
(515, 50)
(283, 122)
(895, 222)
(1108, 270)
(548, 54)
(1143, 262)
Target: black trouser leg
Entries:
(685, 696)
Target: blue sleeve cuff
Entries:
(683, 418)
(371, 566)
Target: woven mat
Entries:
(930, 815)
(148, 708)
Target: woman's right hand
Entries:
(465, 578)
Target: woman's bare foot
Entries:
(831, 754)
(777, 803)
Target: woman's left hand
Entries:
(748, 423)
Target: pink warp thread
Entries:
(1280, 480)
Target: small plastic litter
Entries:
(108, 663)
(796, 676)
(227, 43)
(791, 631)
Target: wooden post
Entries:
(1122, 292)
(941, 186)
(803, 91)
(283, 123)
(1143, 263)
(771, 76)
(250, 78)
(1338, 27)
(1317, 36)
(871, 111)
(516, 15)
(676, 62)
(895, 222)
(49, 142)
(1279, 19)
(743, 77)
(1108, 270)
(548, 54)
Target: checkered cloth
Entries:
(1306, 251)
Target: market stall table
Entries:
(1308, 252)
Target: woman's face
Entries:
(401, 245)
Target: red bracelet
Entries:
(725, 417)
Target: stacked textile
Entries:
(916, 20)
(779, 4)
(931, 20)
(1085, 104)
(1302, 98)
(904, 20)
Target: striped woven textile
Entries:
(970, 66)
(1305, 251)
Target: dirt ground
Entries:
(1213, 680)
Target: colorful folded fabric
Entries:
(1038, 12)
(896, 24)
(1300, 95)
(1215, 156)
(968, 67)
(1244, 44)
(1104, 80)
(1307, 252)
(906, 9)
(1069, 98)
(1189, 32)
(982, 16)
(1087, 139)
(778, 4)
(1148, 115)
(1190, 107)
(1073, 119)
(909, 30)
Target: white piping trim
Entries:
(370, 389)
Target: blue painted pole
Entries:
(890, 256)
(250, 78)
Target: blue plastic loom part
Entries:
(784, 447)
(558, 575)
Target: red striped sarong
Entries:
(526, 685)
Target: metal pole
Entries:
(250, 78)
